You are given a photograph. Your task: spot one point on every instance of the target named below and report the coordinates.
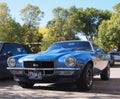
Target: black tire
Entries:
(105, 75)
(85, 82)
(25, 84)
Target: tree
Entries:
(4, 12)
(117, 7)
(30, 35)
(9, 29)
(60, 28)
(31, 15)
(67, 23)
(109, 31)
(87, 21)
(43, 30)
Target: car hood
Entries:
(50, 55)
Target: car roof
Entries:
(4, 42)
(74, 41)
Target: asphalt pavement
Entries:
(9, 89)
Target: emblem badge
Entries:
(35, 65)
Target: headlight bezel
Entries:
(11, 62)
(70, 61)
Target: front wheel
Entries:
(85, 82)
(105, 75)
(25, 84)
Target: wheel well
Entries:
(90, 62)
(109, 61)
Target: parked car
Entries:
(67, 61)
(8, 49)
(115, 58)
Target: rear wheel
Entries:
(85, 82)
(25, 84)
(105, 75)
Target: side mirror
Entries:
(98, 51)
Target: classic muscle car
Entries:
(67, 61)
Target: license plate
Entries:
(35, 75)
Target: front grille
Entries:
(40, 64)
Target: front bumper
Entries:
(60, 75)
(71, 69)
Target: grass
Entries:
(117, 63)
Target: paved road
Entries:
(101, 89)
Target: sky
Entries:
(48, 5)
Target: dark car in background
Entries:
(115, 58)
(8, 49)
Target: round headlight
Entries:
(70, 61)
(11, 62)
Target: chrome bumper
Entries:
(56, 69)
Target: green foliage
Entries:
(68, 22)
(88, 20)
(4, 12)
(60, 28)
(109, 32)
(9, 31)
(30, 35)
(12, 31)
(31, 15)
(117, 7)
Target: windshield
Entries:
(1, 44)
(77, 45)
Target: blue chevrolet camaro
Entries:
(67, 61)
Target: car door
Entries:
(102, 63)
(100, 58)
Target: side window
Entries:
(84, 46)
(87, 46)
(14, 48)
